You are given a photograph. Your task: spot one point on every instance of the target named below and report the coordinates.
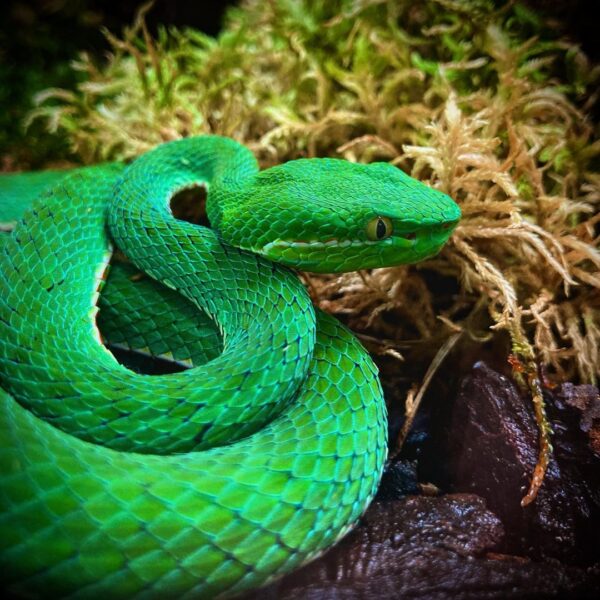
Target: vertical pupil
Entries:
(380, 229)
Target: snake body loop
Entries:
(218, 478)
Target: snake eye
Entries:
(379, 228)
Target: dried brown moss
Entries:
(486, 104)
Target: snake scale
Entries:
(216, 478)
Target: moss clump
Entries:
(486, 103)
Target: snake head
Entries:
(330, 215)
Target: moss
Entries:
(486, 103)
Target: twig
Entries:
(412, 404)
(529, 368)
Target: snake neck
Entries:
(140, 211)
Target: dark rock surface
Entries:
(489, 441)
(424, 547)
(585, 402)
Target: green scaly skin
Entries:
(221, 477)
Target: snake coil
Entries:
(218, 478)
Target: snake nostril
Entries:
(411, 235)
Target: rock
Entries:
(486, 444)
(399, 480)
(427, 547)
(585, 400)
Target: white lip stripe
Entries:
(317, 244)
(328, 244)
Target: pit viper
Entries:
(267, 443)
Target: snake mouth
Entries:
(405, 240)
(340, 256)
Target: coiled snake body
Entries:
(218, 478)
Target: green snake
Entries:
(216, 478)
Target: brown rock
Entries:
(432, 548)
(585, 399)
(487, 445)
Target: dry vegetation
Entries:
(487, 104)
